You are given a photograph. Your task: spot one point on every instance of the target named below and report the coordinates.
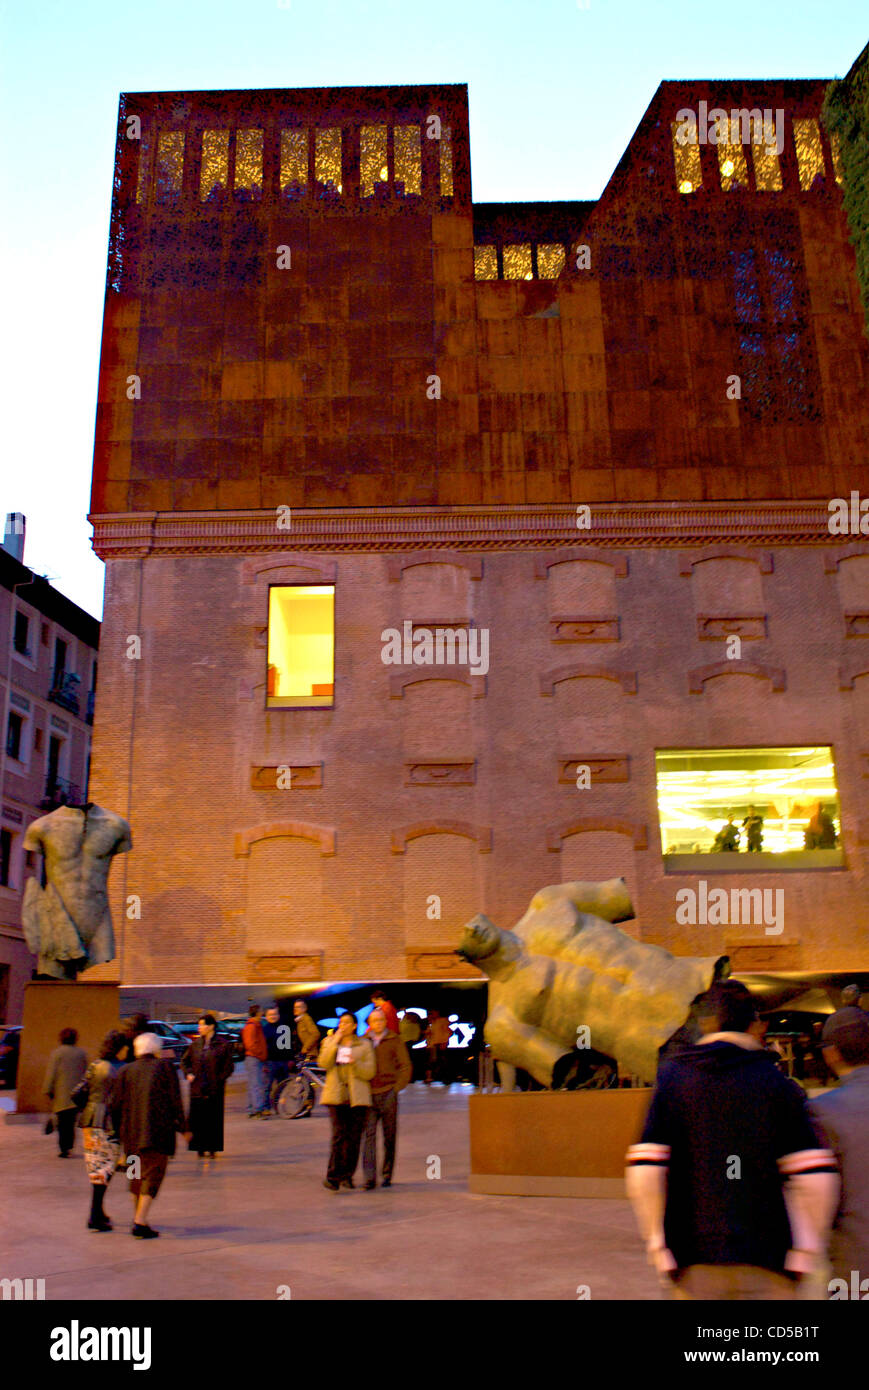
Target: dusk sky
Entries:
(556, 90)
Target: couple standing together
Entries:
(363, 1078)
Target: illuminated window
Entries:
(770, 801)
(294, 162)
(249, 163)
(408, 159)
(810, 156)
(373, 167)
(550, 260)
(689, 175)
(836, 152)
(517, 262)
(446, 148)
(214, 170)
(767, 171)
(327, 159)
(732, 166)
(485, 263)
(170, 165)
(301, 646)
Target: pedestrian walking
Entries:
(279, 1045)
(256, 1054)
(380, 1001)
(146, 1114)
(349, 1064)
(437, 1036)
(410, 1032)
(307, 1032)
(208, 1064)
(101, 1146)
(843, 1115)
(64, 1070)
(392, 1075)
(732, 1192)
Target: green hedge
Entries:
(845, 113)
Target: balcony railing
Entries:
(64, 690)
(59, 791)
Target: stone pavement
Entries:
(258, 1217)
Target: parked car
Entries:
(174, 1041)
(10, 1045)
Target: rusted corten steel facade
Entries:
(303, 314)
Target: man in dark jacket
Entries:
(392, 1075)
(279, 1044)
(146, 1111)
(732, 1190)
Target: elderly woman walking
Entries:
(349, 1063)
(101, 1146)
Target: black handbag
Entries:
(81, 1093)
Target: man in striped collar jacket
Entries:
(732, 1194)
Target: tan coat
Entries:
(347, 1083)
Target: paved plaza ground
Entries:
(258, 1217)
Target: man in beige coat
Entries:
(392, 1075)
(349, 1064)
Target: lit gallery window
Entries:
(301, 646)
(770, 801)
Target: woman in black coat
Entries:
(208, 1064)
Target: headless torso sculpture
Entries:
(67, 923)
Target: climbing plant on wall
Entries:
(846, 116)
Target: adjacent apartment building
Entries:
(453, 550)
(49, 671)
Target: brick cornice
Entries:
(640, 524)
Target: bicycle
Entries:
(296, 1095)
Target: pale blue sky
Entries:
(555, 89)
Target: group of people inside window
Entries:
(820, 833)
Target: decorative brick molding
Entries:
(549, 679)
(438, 963)
(280, 968)
(698, 677)
(851, 671)
(763, 559)
(633, 829)
(764, 955)
(857, 624)
(440, 772)
(287, 569)
(563, 629)
(399, 682)
(397, 564)
(324, 835)
(712, 629)
(605, 767)
(834, 558)
(481, 833)
(303, 776)
(543, 564)
(447, 529)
